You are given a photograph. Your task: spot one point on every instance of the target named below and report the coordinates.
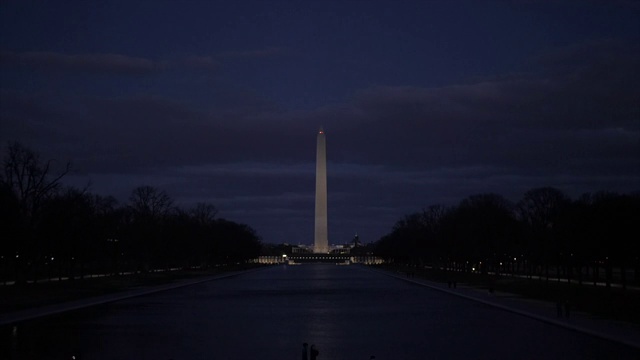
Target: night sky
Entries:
(422, 102)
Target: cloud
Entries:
(533, 119)
(251, 169)
(92, 63)
(201, 62)
(572, 123)
(98, 63)
(547, 120)
(253, 54)
(219, 59)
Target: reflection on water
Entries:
(348, 312)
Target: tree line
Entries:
(593, 238)
(49, 230)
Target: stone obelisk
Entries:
(321, 242)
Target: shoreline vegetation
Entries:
(52, 231)
(614, 303)
(546, 246)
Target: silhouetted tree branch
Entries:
(29, 178)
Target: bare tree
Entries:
(149, 201)
(540, 209)
(28, 182)
(204, 213)
(432, 216)
(29, 178)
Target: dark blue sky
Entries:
(423, 102)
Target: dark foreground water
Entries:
(348, 312)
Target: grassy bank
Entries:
(19, 297)
(612, 303)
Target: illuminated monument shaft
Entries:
(321, 243)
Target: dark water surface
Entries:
(349, 312)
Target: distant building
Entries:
(321, 238)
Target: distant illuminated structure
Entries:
(321, 242)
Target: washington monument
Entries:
(321, 243)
